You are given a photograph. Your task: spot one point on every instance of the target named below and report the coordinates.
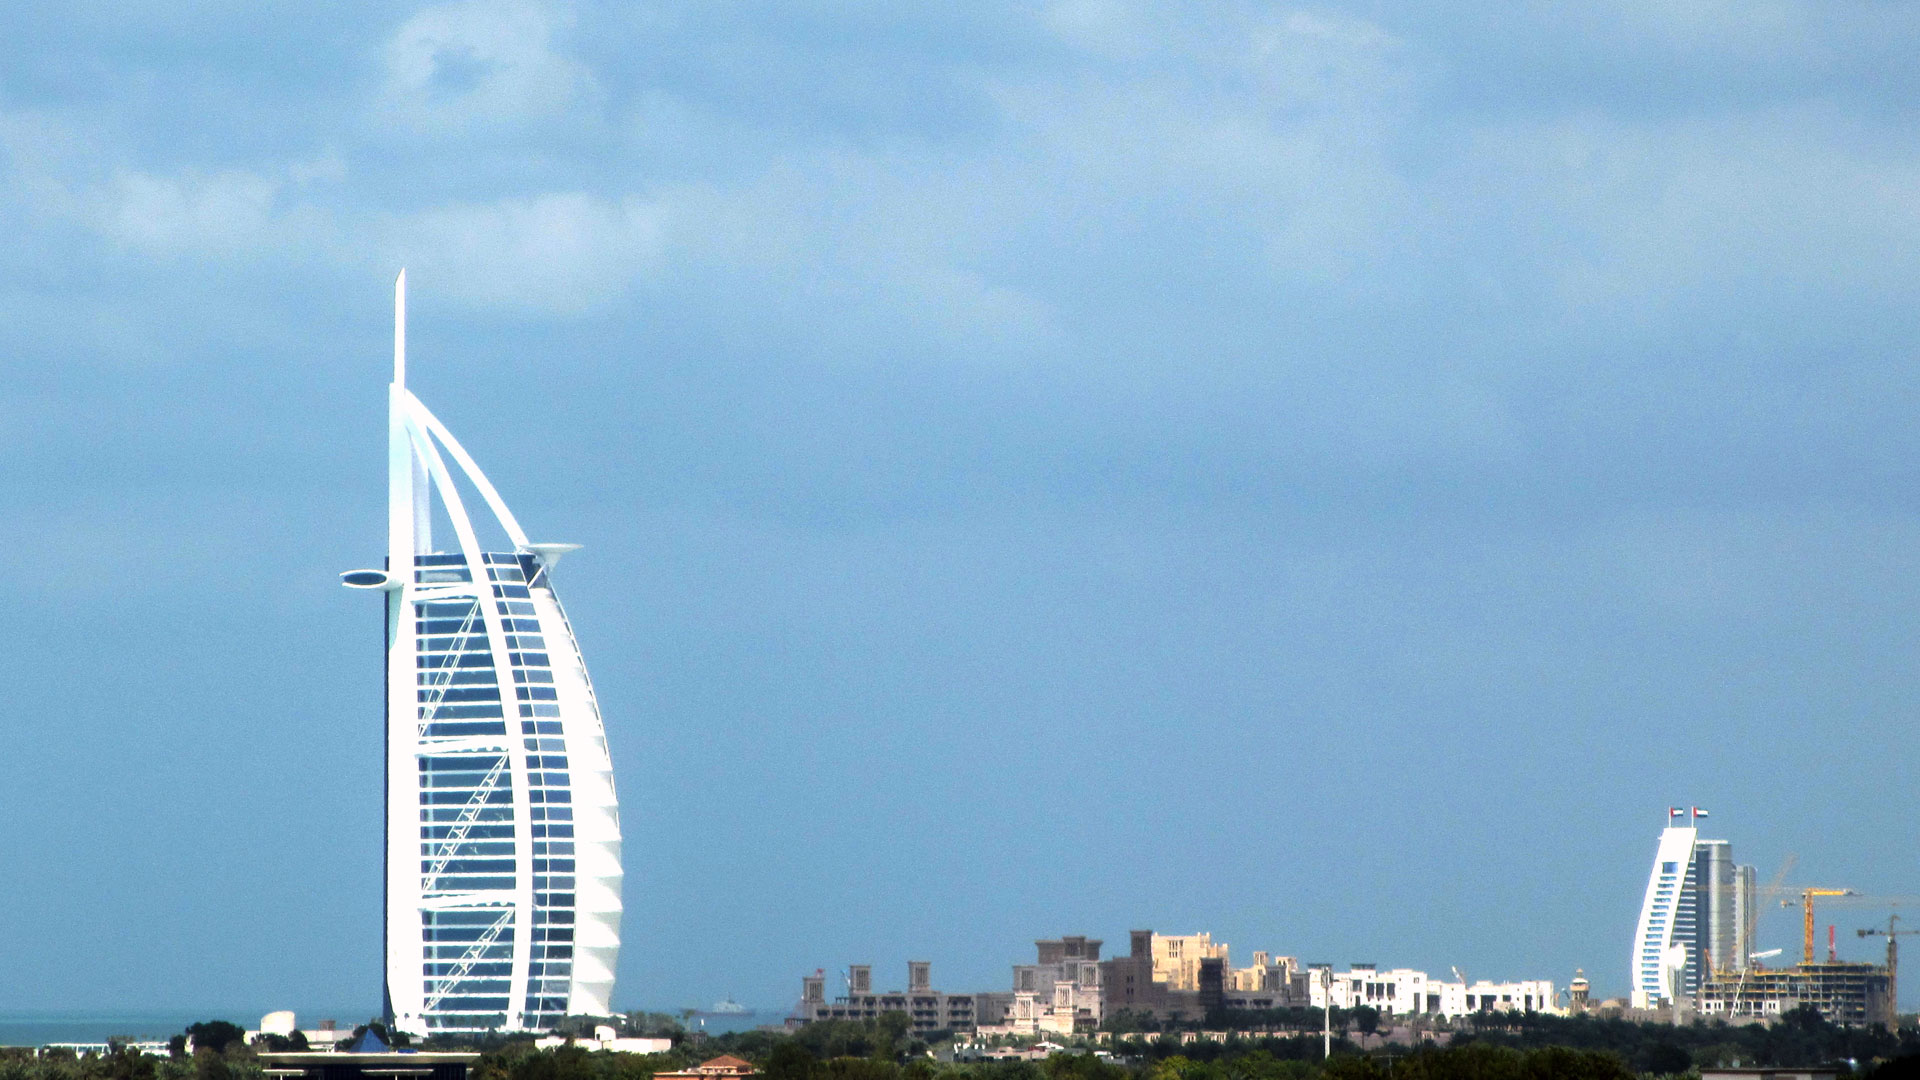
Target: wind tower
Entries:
(503, 867)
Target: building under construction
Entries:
(1845, 993)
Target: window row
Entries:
(461, 813)
(457, 693)
(467, 986)
(479, 676)
(464, 1021)
(460, 797)
(476, 641)
(456, 782)
(435, 661)
(500, 949)
(436, 713)
(480, 763)
(476, 970)
(461, 729)
(475, 1004)
(467, 883)
(471, 832)
(470, 624)
(456, 849)
(451, 867)
(432, 933)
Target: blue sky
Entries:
(1326, 475)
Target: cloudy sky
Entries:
(1327, 475)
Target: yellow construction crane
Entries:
(1845, 898)
(1806, 900)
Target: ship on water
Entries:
(725, 1007)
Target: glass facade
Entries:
(1698, 910)
(483, 730)
(1667, 918)
(503, 833)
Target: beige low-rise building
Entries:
(929, 1009)
(1176, 958)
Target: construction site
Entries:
(1694, 948)
(1844, 991)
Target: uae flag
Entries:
(1674, 812)
(1697, 812)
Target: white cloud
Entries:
(1650, 218)
(1109, 27)
(481, 63)
(563, 253)
(1284, 147)
(224, 213)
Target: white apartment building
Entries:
(1405, 992)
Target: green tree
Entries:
(890, 1035)
(215, 1035)
(789, 1061)
(1352, 1067)
(654, 1025)
(858, 1068)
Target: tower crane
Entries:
(1892, 934)
(1843, 897)
(1806, 900)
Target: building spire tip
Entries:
(400, 328)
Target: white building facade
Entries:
(1404, 992)
(503, 860)
(1665, 934)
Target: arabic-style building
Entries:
(503, 867)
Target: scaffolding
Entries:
(1844, 993)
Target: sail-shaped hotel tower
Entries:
(503, 834)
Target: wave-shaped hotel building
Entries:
(503, 868)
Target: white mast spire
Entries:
(400, 328)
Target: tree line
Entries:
(1488, 1047)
